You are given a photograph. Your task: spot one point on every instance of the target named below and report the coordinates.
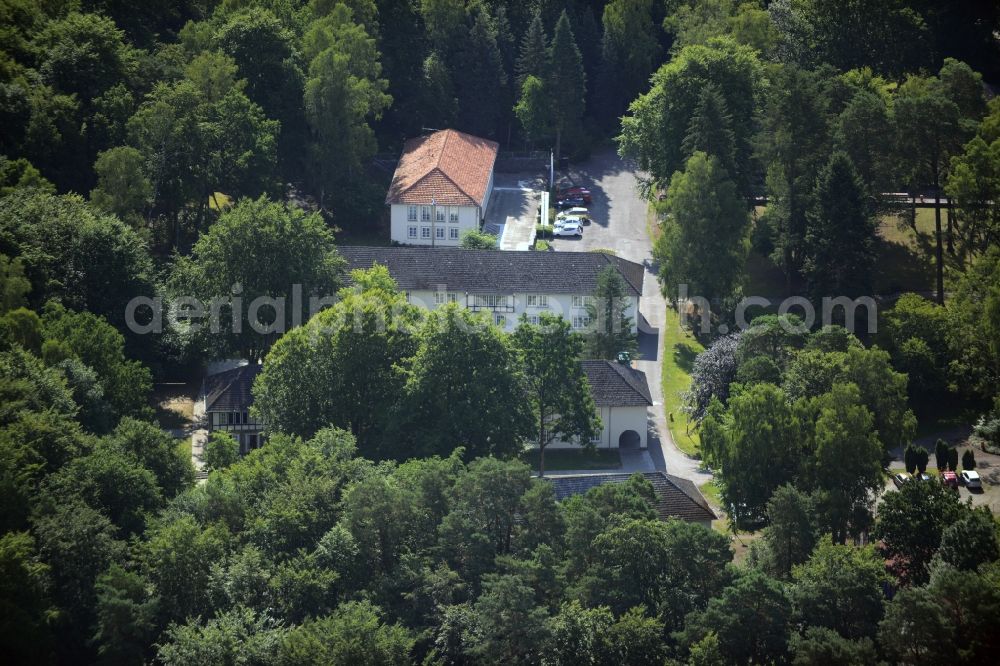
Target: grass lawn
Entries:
(711, 492)
(219, 201)
(679, 351)
(558, 460)
(184, 445)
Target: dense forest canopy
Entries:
(222, 147)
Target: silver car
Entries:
(971, 479)
(569, 229)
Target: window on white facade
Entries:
(440, 214)
(425, 232)
(411, 231)
(453, 213)
(439, 232)
(453, 233)
(425, 214)
(581, 322)
(493, 301)
(534, 320)
(500, 320)
(411, 213)
(538, 301)
(452, 297)
(581, 301)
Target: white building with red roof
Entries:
(441, 188)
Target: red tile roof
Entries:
(450, 167)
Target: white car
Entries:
(573, 212)
(563, 221)
(971, 479)
(569, 229)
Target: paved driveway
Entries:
(619, 224)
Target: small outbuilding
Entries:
(622, 396)
(675, 497)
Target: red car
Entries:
(573, 192)
(949, 479)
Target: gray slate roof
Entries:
(675, 497)
(230, 391)
(493, 271)
(615, 385)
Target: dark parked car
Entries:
(570, 202)
(569, 192)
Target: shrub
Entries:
(941, 454)
(479, 240)
(953, 459)
(910, 458)
(221, 451)
(968, 459)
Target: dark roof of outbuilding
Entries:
(675, 497)
(230, 391)
(615, 385)
(493, 271)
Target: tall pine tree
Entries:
(566, 82)
(612, 327)
(533, 59)
(479, 68)
(711, 131)
(840, 233)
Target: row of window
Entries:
(495, 302)
(233, 418)
(425, 232)
(443, 213)
(490, 301)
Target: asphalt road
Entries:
(619, 224)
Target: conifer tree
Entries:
(534, 56)
(567, 82)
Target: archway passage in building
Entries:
(629, 440)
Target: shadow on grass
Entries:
(902, 268)
(684, 355)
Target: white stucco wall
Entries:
(558, 304)
(399, 224)
(486, 200)
(615, 421)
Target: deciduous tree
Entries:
(557, 391)
(464, 387)
(704, 241)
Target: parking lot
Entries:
(617, 212)
(988, 467)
